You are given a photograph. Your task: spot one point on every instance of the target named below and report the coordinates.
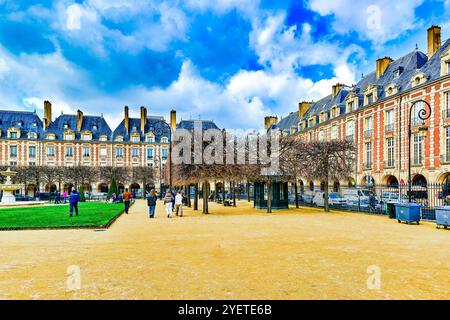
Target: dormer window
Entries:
(66, 126)
(445, 63)
(397, 72)
(20, 123)
(323, 116)
(119, 139)
(164, 140)
(103, 138)
(391, 89)
(34, 124)
(135, 138)
(335, 111)
(13, 135)
(312, 121)
(86, 136)
(32, 135)
(51, 137)
(94, 127)
(150, 139)
(68, 136)
(418, 79)
(370, 95)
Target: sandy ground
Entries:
(234, 253)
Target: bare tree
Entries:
(327, 160)
(145, 175)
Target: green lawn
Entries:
(91, 214)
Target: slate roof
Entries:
(89, 123)
(157, 125)
(190, 124)
(409, 65)
(23, 120)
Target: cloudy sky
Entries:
(233, 61)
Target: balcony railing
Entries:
(368, 133)
(350, 137)
(447, 113)
(389, 163)
(389, 127)
(367, 166)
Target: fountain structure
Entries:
(8, 188)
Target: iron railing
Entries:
(359, 199)
(389, 127)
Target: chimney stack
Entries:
(335, 89)
(434, 40)
(79, 120)
(269, 121)
(382, 65)
(47, 114)
(127, 120)
(173, 120)
(303, 107)
(143, 118)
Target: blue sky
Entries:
(233, 61)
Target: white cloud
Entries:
(375, 20)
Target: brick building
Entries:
(374, 114)
(72, 140)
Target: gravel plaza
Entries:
(232, 253)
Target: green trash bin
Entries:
(390, 209)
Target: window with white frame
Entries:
(389, 120)
(13, 135)
(321, 135)
(68, 136)
(164, 140)
(334, 133)
(164, 154)
(86, 151)
(13, 151)
(447, 144)
(103, 152)
(415, 113)
(417, 148)
(135, 152)
(368, 126)
(51, 151)
(32, 151)
(69, 151)
(368, 146)
(119, 152)
(150, 139)
(150, 154)
(86, 137)
(447, 104)
(103, 138)
(390, 143)
(350, 129)
(119, 138)
(135, 138)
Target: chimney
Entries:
(335, 89)
(303, 107)
(143, 118)
(126, 120)
(382, 65)
(173, 120)
(47, 114)
(269, 121)
(79, 120)
(434, 40)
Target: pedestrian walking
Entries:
(151, 202)
(126, 196)
(57, 197)
(74, 198)
(168, 204)
(65, 196)
(179, 204)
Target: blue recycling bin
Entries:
(442, 216)
(408, 212)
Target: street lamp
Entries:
(158, 130)
(423, 114)
(159, 162)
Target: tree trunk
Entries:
(234, 193)
(196, 197)
(269, 197)
(296, 194)
(325, 195)
(205, 197)
(223, 193)
(248, 191)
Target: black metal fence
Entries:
(380, 199)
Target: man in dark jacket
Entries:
(151, 202)
(74, 198)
